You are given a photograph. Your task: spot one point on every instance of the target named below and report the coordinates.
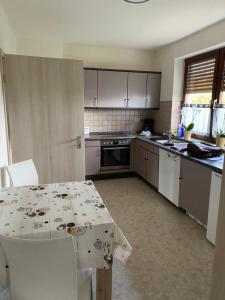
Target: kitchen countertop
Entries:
(216, 166)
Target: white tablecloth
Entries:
(56, 210)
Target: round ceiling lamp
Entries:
(136, 1)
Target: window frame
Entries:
(219, 56)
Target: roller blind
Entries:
(200, 76)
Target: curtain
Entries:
(218, 120)
(200, 116)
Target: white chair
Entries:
(23, 173)
(45, 269)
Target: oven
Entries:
(115, 155)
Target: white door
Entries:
(214, 202)
(112, 89)
(169, 174)
(137, 90)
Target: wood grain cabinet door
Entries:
(139, 159)
(153, 90)
(137, 90)
(152, 169)
(195, 189)
(90, 88)
(112, 89)
(92, 160)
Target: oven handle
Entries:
(113, 148)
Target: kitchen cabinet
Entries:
(90, 88)
(112, 89)
(139, 158)
(195, 189)
(214, 201)
(146, 162)
(121, 89)
(92, 157)
(153, 90)
(137, 90)
(169, 174)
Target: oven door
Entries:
(117, 157)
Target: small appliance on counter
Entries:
(147, 128)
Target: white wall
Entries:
(170, 58)
(99, 57)
(40, 48)
(7, 37)
(117, 58)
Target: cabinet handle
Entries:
(95, 102)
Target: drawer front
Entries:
(139, 143)
(151, 148)
(96, 143)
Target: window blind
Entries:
(200, 76)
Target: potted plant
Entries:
(220, 138)
(188, 131)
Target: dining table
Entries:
(55, 210)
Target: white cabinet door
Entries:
(90, 88)
(214, 201)
(137, 90)
(112, 89)
(153, 90)
(169, 174)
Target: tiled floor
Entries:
(171, 258)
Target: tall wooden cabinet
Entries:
(44, 100)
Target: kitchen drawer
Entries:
(151, 148)
(95, 143)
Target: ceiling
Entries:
(112, 23)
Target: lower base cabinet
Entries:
(169, 175)
(214, 202)
(195, 189)
(92, 158)
(146, 162)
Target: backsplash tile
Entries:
(106, 120)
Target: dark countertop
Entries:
(216, 165)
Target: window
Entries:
(204, 93)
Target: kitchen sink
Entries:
(165, 141)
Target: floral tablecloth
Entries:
(56, 210)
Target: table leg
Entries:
(104, 284)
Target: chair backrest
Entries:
(23, 173)
(41, 269)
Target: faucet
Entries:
(169, 135)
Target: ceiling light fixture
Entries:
(136, 1)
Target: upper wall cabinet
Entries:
(137, 90)
(112, 89)
(153, 90)
(90, 88)
(121, 89)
